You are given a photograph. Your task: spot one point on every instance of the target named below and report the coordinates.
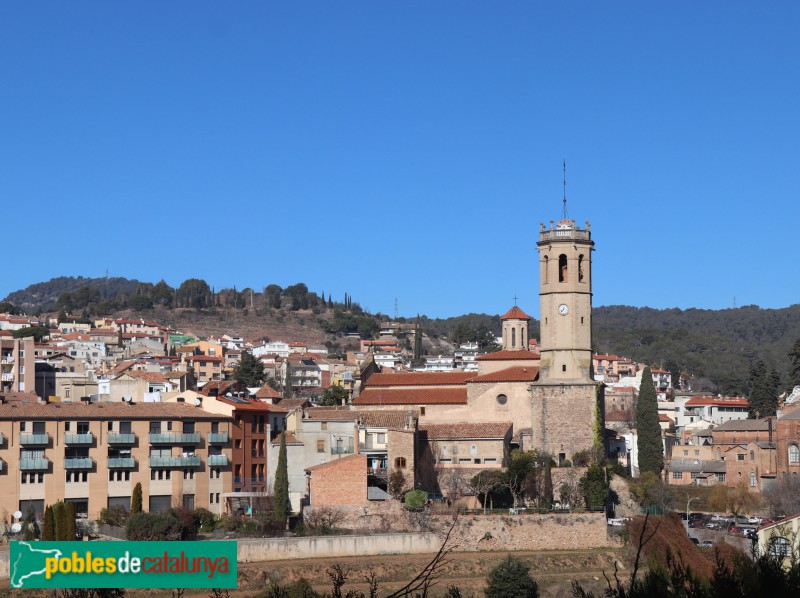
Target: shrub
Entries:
(154, 526)
(511, 579)
(116, 516)
(229, 523)
(188, 519)
(415, 500)
(206, 518)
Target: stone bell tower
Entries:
(567, 404)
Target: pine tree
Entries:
(136, 499)
(49, 525)
(281, 489)
(648, 430)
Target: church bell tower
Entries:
(565, 294)
(566, 403)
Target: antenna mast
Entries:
(564, 212)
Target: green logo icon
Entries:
(122, 565)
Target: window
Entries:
(752, 480)
(323, 426)
(720, 477)
(752, 456)
(562, 268)
(794, 454)
(580, 268)
(677, 475)
(381, 438)
(740, 457)
(320, 446)
(513, 338)
(399, 462)
(502, 399)
(422, 410)
(779, 547)
(695, 475)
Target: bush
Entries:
(229, 523)
(189, 520)
(415, 500)
(206, 519)
(511, 579)
(116, 516)
(154, 526)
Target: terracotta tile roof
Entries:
(104, 411)
(340, 461)
(122, 366)
(19, 396)
(745, 425)
(392, 420)
(606, 357)
(267, 392)
(515, 313)
(294, 403)
(717, 402)
(665, 418)
(465, 430)
(291, 439)
(419, 379)
(251, 405)
(148, 376)
(509, 355)
(412, 396)
(512, 374)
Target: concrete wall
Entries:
(275, 549)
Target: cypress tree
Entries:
(49, 524)
(758, 389)
(136, 499)
(60, 520)
(648, 430)
(794, 366)
(281, 490)
(69, 527)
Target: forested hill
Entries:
(718, 346)
(44, 296)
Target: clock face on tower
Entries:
(563, 309)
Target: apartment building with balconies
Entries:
(93, 454)
(17, 365)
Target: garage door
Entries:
(159, 504)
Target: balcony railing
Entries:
(34, 464)
(121, 462)
(6, 359)
(120, 438)
(175, 438)
(34, 439)
(78, 463)
(217, 438)
(71, 438)
(8, 377)
(188, 461)
(341, 450)
(217, 460)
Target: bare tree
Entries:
(783, 496)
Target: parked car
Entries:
(706, 544)
(754, 520)
(712, 525)
(694, 540)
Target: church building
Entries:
(544, 400)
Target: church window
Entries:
(513, 338)
(562, 268)
(546, 268)
(752, 456)
(794, 454)
(752, 480)
(580, 268)
(502, 399)
(522, 338)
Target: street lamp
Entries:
(688, 502)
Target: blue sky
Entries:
(404, 150)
